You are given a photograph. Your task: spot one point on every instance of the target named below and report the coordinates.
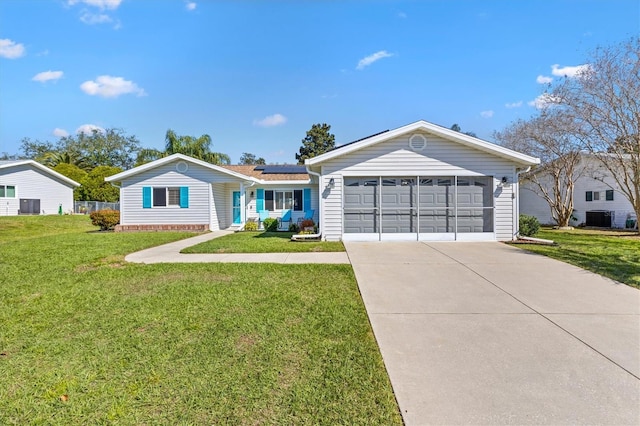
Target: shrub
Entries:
(270, 224)
(307, 223)
(251, 226)
(294, 227)
(106, 219)
(529, 225)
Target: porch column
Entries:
(243, 207)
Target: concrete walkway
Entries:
(170, 253)
(485, 333)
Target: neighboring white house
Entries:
(28, 187)
(597, 200)
(417, 182)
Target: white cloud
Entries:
(402, 15)
(271, 121)
(366, 61)
(543, 101)
(45, 76)
(543, 79)
(60, 133)
(95, 18)
(569, 71)
(10, 49)
(102, 4)
(514, 104)
(487, 114)
(191, 5)
(111, 87)
(88, 129)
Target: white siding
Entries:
(534, 205)
(220, 205)
(439, 158)
(197, 178)
(33, 183)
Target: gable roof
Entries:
(159, 162)
(15, 163)
(433, 129)
(243, 172)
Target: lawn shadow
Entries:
(280, 234)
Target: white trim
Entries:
(165, 160)
(433, 129)
(41, 167)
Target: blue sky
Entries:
(255, 75)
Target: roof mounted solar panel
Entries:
(259, 167)
(284, 170)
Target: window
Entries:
(596, 196)
(7, 191)
(164, 197)
(609, 195)
(283, 200)
(589, 196)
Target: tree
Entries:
(76, 173)
(111, 147)
(605, 99)
(318, 141)
(456, 128)
(199, 148)
(550, 136)
(248, 158)
(96, 189)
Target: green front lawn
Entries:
(262, 242)
(86, 338)
(613, 254)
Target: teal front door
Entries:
(237, 218)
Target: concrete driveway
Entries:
(485, 333)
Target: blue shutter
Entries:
(146, 197)
(260, 200)
(306, 199)
(184, 197)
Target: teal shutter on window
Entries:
(307, 199)
(260, 200)
(184, 197)
(146, 197)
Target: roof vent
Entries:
(182, 167)
(417, 142)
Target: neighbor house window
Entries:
(7, 191)
(283, 200)
(609, 195)
(589, 196)
(165, 196)
(596, 196)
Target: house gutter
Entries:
(517, 218)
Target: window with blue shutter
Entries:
(184, 197)
(307, 199)
(260, 200)
(146, 197)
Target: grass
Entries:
(87, 338)
(262, 242)
(613, 254)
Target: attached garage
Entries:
(419, 182)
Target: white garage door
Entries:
(425, 208)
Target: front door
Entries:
(237, 218)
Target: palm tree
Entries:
(53, 158)
(188, 145)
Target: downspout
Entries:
(119, 198)
(320, 209)
(517, 198)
